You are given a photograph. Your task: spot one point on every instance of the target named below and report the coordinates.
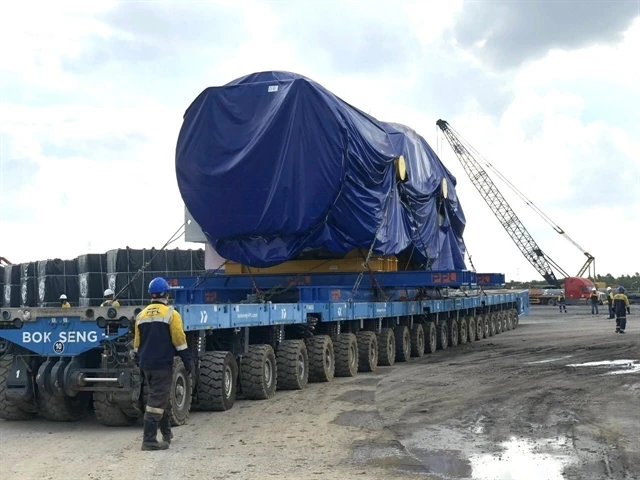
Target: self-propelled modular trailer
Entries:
(249, 335)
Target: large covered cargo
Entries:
(273, 167)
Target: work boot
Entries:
(150, 434)
(165, 428)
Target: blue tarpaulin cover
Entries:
(273, 165)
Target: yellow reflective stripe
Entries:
(153, 319)
(181, 347)
(155, 410)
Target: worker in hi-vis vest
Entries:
(108, 299)
(159, 337)
(63, 301)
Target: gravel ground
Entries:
(519, 405)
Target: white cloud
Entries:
(89, 150)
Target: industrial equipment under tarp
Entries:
(273, 165)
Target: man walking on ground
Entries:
(621, 308)
(610, 302)
(159, 336)
(594, 298)
(562, 302)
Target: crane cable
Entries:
(521, 195)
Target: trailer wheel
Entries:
(479, 327)
(453, 332)
(499, 323)
(346, 351)
(507, 320)
(551, 302)
(322, 365)
(367, 351)
(403, 343)
(515, 319)
(218, 379)
(443, 336)
(471, 329)
(62, 408)
(462, 329)
(258, 372)
(491, 320)
(109, 414)
(417, 340)
(180, 396)
(387, 347)
(9, 411)
(293, 365)
(431, 344)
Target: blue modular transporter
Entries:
(249, 334)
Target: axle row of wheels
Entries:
(262, 370)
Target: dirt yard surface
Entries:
(557, 398)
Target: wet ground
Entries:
(557, 398)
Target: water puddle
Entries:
(618, 366)
(548, 360)
(514, 459)
(523, 460)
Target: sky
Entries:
(92, 96)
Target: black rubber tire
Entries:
(367, 351)
(431, 337)
(452, 326)
(62, 408)
(322, 359)
(259, 372)
(505, 316)
(293, 365)
(471, 329)
(403, 343)
(9, 411)
(386, 347)
(479, 327)
(417, 340)
(499, 322)
(218, 382)
(552, 302)
(492, 324)
(443, 335)
(463, 332)
(507, 320)
(346, 350)
(109, 414)
(515, 319)
(181, 394)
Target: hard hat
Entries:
(621, 288)
(63, 297)
(608, 289)
(593, 289)
(158, 285)
(108, 292)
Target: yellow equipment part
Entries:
(352, 263)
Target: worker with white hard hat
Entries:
(610, 303)
(63, 301)
(595, 299)
(109, 300)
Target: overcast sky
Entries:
(92, 96)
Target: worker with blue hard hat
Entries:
(621, 308)
(159, 336)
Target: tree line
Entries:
(630, 282)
